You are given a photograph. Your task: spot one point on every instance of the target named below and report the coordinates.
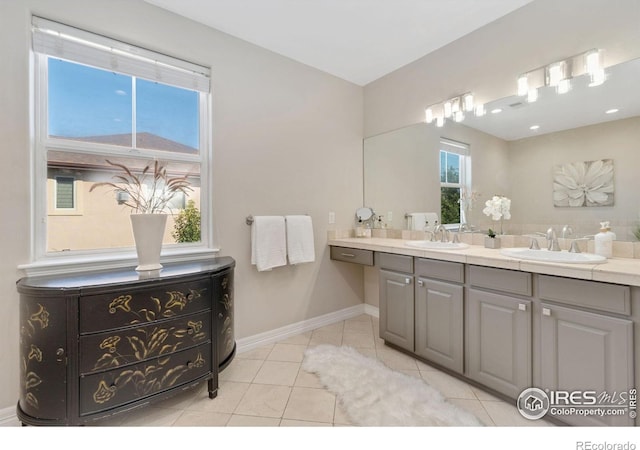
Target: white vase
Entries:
(148, 231)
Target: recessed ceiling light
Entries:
(534, 127)
(611, 111)
(496, 111)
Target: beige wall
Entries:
(287, 140)
(488, 61)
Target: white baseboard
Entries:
(8, 417)
(272, 336)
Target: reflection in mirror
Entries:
(509, 157)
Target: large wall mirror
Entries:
(517, 151)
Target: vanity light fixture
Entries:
(593, 66)
(523, 85)
(467, 99)
(428, 114)
(448, 108)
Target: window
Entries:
(455, 174)
(65, 193)
(97, 99)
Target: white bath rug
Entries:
(372, 394)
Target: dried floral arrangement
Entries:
(149, 192)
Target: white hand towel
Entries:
(268, 242)
(300, 242)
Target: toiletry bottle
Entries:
(359, 228)
(604, 241)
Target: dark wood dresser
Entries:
(98, 344)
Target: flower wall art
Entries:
(587, 183)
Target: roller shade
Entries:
(452, 146)
(66, 42)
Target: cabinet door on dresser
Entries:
(43, 354)
(586, 351)
(499, 341)
(397, 309)
(439, 323)
(223, 296)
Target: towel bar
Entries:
(249, 219)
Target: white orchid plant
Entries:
(498, 208)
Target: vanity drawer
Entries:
(103, 351)
(122, 385)
(442, 270)
(138, 306)
(509, 281)
(352, 255)
(398, 263)
(590, 294)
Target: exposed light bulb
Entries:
(523, 85)
(593, 62)
(597, 78)
(556, 73)
(428, 114)
(564, 86)
(447, 108)
(532, 95)
(468, 102)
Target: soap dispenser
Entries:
(604, 241)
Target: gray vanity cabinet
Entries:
(439, 315)
(439, 323)
(396, 300)
(583, 350)
(499, 330)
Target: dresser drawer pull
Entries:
(60, 354)
(420, 283)
(348, 255)
(407, 280)
(546, 312)
(190, 330)
(190, 296)
(220, 315)
(190, 365)
(522, 307)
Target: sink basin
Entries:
(557, 257)
(437, 245)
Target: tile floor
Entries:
(266, 387)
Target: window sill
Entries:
(82, 262)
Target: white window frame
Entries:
(45, 263)
(464, 150)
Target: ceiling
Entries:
(356, 40)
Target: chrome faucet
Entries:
(567, 231)
(441, 229)
(433, 235)
(552, 240)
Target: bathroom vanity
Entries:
(99, 344)
(506, 324)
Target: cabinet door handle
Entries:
(407, 280)
(60, 354)
(522, 307)
(420, 283)
(348, 255)
(546, 312)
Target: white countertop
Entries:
(615, 270)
